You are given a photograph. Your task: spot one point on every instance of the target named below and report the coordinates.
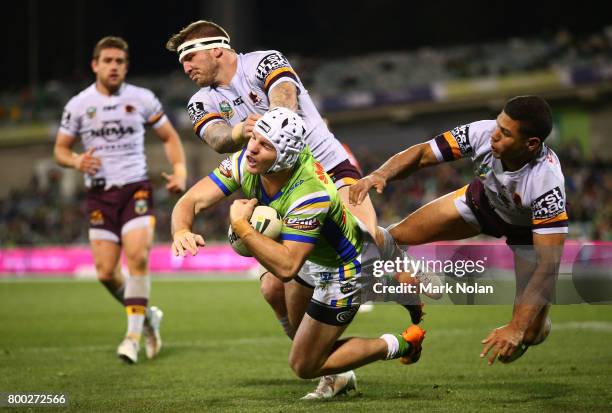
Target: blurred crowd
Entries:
(382, 72)
(40, 215)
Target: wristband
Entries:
(242, 228)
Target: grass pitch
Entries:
(224, 351)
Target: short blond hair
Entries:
(200, 28)
(111, 42)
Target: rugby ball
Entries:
(265, 220)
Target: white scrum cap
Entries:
(286, 130)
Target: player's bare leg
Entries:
(108, 268)
(297, 297)
(273, 291)
(438, 220)
(316, 350)
(136, 244)
(364, 212)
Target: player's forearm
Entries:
(221, 138)
(183, 214)
(537, 293)
(64, 156)
(275, 257)
(176, 155)
(404, 163)
(284, 95)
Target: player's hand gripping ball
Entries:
(265, 220)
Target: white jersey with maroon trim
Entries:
(256, 74)
(531, 196)
(114, 126)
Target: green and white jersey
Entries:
(309, 205)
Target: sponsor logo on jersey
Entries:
(347, 286)
(269, 64)
(91, 112)
(295, 185)
(109, 108)
(238, 101)
(461, 135)
(96, 218)
(346, 316)
(225, 167)
(196, 111)
(226, 110)
(141, 194)
(302, 224)
(320, 172)
(65, 119)
(325, 279)
(548, 205)
(254, 98)
(111, 131)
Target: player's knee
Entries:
(302, 367)
(272, 289)
(105, 272)
(537, 335)
(137, 261)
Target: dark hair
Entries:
(532, 113)
(111, 42)
(200, 28)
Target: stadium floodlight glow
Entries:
(203, 43)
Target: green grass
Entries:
(224, 351)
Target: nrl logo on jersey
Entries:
(91, 112)
(225, 167)
(226, 110)
(96, 217)
(302, 224)
(483, 170)
(549, 205)
(461, 134)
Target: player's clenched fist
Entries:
(88, 163)
(185, 240)
(242, 209)
(249, 125)
(359, 191)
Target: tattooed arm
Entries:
(223, 138)
(284, 94)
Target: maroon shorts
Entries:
(343, 174)
(109, 211)
(491, 223)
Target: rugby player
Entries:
(518, 193)
(235, 90)
(277, 169)
(110, 117)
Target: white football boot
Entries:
(128, 350)
(152, 336)
(329, 386)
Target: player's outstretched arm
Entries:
(202, 195)
(398, 166)
(283, 260)
(503, 341)
(85, 162)
(177, 181)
